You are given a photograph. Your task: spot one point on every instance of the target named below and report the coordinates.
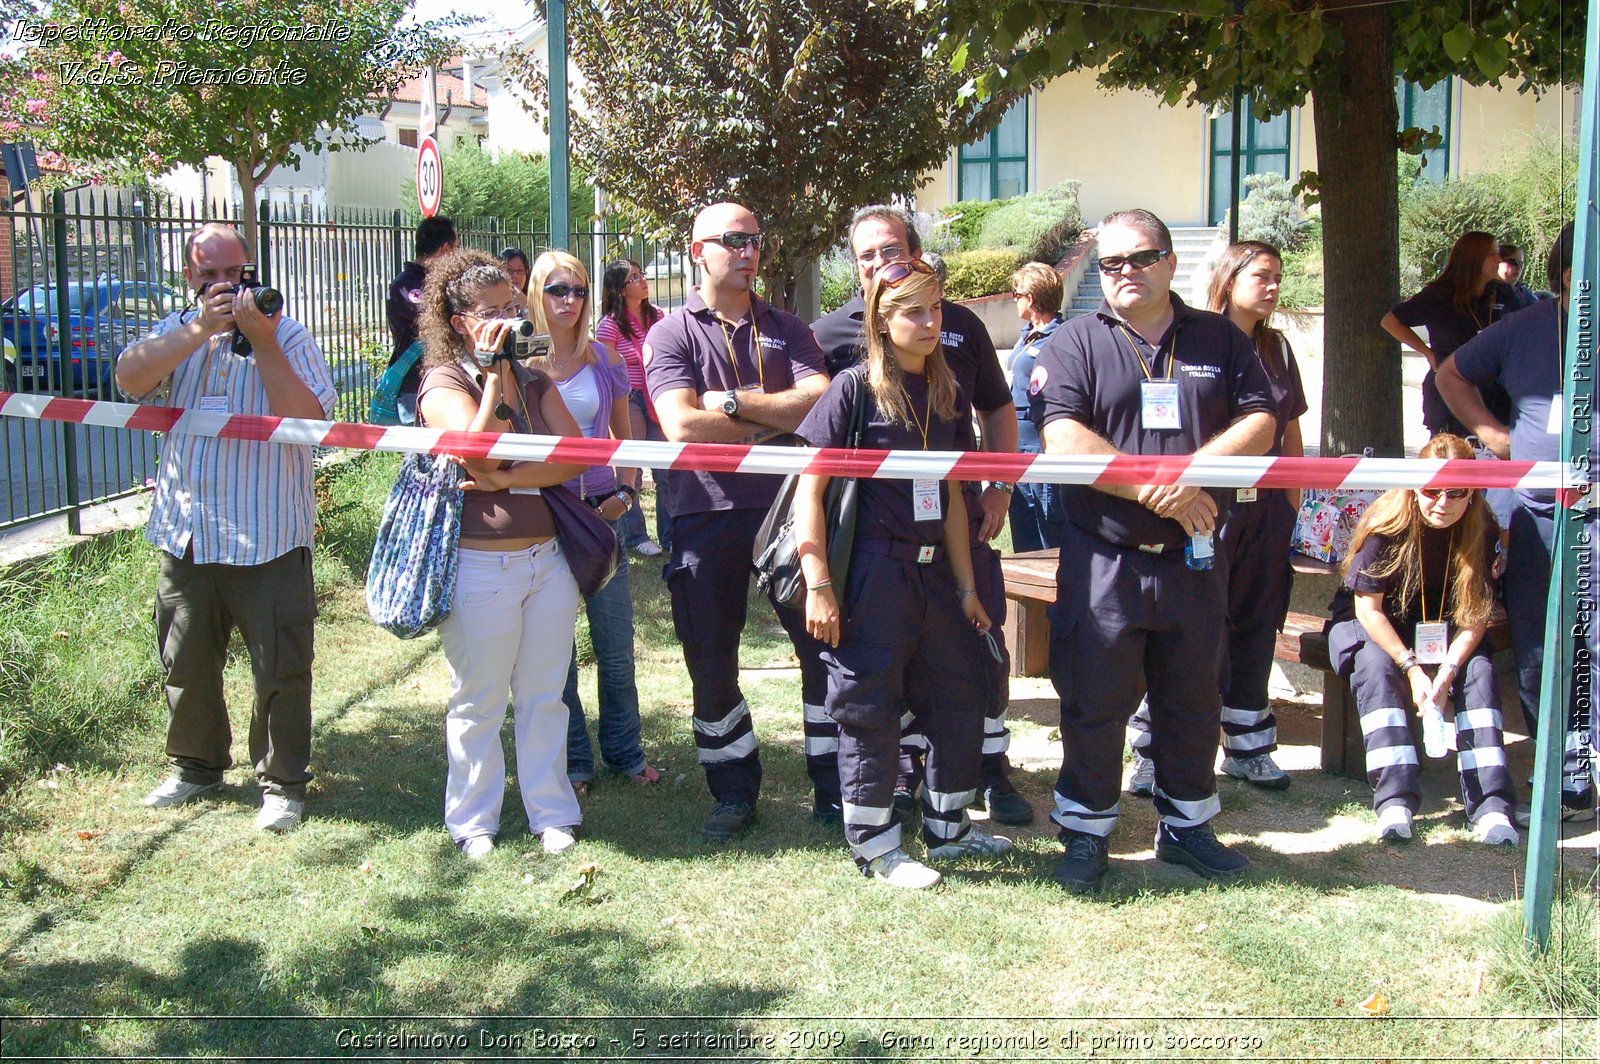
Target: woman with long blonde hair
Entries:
(594, 384)
(902, 629)
(1407, 633)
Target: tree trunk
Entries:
(249, 223)
(1356, 123)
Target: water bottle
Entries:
(1436, 737)
(1199, 551)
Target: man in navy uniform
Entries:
(1145, 374)
(881, 234)
(728, 367)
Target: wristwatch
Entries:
(730, 405)
(1003, 486)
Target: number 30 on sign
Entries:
(430, 177)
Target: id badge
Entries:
(1159, 405)
(1432, 643)
(1556, 406)
(1245, 494)
(925, 504)
(214, 404)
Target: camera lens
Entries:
(268, 300)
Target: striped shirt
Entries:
(237, 502)
(629, 347)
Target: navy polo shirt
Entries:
(690, 348)
(1287, 391)
(967, 349)
(884, 507)
(1523, 355)
(1088, 371)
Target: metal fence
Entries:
(93, 270)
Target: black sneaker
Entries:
(1199, 849)
(1006, 805)
(905, 802)
(1081, 867)
(1577, 807)
(727, 819)
(827, 810)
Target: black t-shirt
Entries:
(1449, 327)
(1287, 391)
(884, 506)
(1436, 585)
(1090, 371)
(405, 299)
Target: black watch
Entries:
(730, 405)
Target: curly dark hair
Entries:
(453, 284)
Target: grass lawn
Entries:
(167, 933)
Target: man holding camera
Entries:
(234, 521)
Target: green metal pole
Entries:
(560, 224)
(63, 341)
(1572, 570)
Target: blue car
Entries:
(104, 316)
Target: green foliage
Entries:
(966, 218)
(142, 103)
(801, 111)
(1302, 272)
(513, 187)
(1524, 201)
(1038, 226)
(1269, 213)
(1565, 979)
(838, 279)
(980, 272)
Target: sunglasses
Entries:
(896, 272)
(737, 241)
(1139, 260)
(562, 291)
(1453, 494)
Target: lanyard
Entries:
(755, 349)
(1172, 356)
(927, 415)
(1443, 591)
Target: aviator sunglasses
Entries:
(1139, 260)
(1451, 494)
(896, 272)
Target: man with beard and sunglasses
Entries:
(729, 367)
(1141, 598)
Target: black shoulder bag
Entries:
(776, 556)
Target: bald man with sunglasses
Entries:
(729, 367)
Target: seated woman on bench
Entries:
(1407, 633)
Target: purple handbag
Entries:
(587, 541)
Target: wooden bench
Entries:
(1030, 580)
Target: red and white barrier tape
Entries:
(1264, 472)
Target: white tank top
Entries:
(582, 395)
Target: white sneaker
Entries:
(1495, 830)
(557, 840)
(648, 548)
(898, 870)
(1394, 823)
(1142, 784)
(1260, 770)
(478, 847)
(174, 790)
(279, 813)
(973, 844)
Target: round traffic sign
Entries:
(430, 177)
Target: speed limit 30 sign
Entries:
(430, 177)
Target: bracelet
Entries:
(1407, 663)
(1009, 489)
(966, 594)
(820, 584)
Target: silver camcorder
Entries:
(520, 342)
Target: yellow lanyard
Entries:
(755, 350)
(1423, 591)
(1172, 356)
(927, 416)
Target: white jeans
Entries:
(510, 628)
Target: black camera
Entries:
(520, 342)
(268, 301)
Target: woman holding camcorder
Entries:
(515, 602)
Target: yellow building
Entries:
(1128, 150)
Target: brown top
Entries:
(510, 513)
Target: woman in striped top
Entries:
(626, 316)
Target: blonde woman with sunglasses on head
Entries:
(902, 628)
(1407, 634)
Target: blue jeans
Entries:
(611, 632)
(633, 528)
